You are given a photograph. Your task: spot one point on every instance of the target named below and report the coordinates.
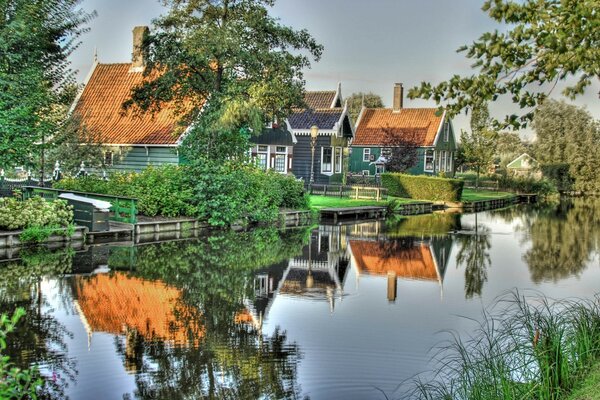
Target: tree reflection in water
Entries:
(39, 338)
(233, 358)
(474, 255)
(563, 239)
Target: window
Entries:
(262, 160)
(366, 155)
(379, 169)
(338, 160)
(429, 160)
(386, 152)
(366, 172)
(443, 163)
(280, 156)
(447, 131)
(108, 158)
(263, 148)
(450, 161)
(438, 160)
(326, 160)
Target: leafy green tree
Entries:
(544, 42)
(477, 147)
(508, 147)
(36, 39)
(568, 135)
(356, 101)
(231, 52)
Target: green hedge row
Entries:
(422, 187)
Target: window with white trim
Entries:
(366, 172)
(451, 161)
(447, 131)
(326, 160)
(429, 154)
(366, 155)
(280, 156)
(262, 156)
(443, 163)
(338, 160)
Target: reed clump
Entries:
(524, 348)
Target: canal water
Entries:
(351, 311)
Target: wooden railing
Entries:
(124, 209)
(353, 192)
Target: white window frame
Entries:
(366, 172)
(432, 153)
(284, 154)
(450, 161)
(447, 132)
(323, 171)
(267, 155)
(338, 157)
(366, 154)
(443, 161)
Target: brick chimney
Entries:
(137, 60)
(398, 97)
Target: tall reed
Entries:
(524, 348)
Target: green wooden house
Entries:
(379, 129)
(132, 142)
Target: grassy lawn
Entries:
(318, 202)
(477, 195)
(589, 389)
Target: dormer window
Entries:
(447, 132)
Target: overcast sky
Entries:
(369, 45)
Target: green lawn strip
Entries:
(478, 195)
(589, 388)
(319, 202)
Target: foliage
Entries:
(36, 39)
(422, 187)
(163, 190)
(74, 143)
(226, 50)
(401, 149)
(525, 184)
(558, 174)
(15, 383)
(36, 211)
(39, 234)
(525, 348)
(474, 256)
(508, 147)
(242, 194)
(478, 146)
(545, 41)
(357, 100)
(567, 134)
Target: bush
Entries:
(543, 187)
(559, 175)
(36, 211)
(422, 187)
(164, 190)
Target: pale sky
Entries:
(369, 45)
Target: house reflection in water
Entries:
(422, 259)
(318, 274)
(141, 310)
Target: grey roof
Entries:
(323, 118)
(277, 136)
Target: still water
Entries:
(332, 312)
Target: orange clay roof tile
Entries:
(100, 108)
(421, 124)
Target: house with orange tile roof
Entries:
(425, 128)
(286, 148)
(139, 140)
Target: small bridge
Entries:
(366, 212)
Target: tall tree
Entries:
(545, 41)
(568, 135)
(508, 147)
(231, 51)
(477, 146)
(36, 39)
(357, 100)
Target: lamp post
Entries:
(314, 132)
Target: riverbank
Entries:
(589, 387)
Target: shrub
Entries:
(559, 175)
(164, 190)
(292, 192)
(422, 187)
(36, 211)
(542, 187)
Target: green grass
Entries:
(589, 388)
(478, 195)
(318, 202)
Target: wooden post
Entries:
(392, 283)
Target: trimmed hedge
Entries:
(423, 187)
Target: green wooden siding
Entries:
(357, 165)
(137, 158)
